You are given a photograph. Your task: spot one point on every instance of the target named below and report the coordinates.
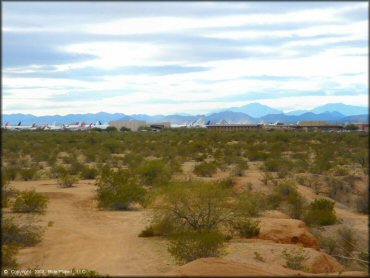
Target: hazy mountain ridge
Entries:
(216, 117)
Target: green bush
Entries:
(112, 145)
(247, 228)
(320, 212)
(28, 174)
(194, 205)
(89, 173)
(205, 169)
(154, 173)
(250, 204)
(124, 129)
(118, 190)
(67, 181)
(23, 235)
(30, 201)
(295, 259)
(8, 256)
(190, 246)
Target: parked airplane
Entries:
(20, 127)
(73, 126)
(100, 125)
(54, 127)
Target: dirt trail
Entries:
(84, 237)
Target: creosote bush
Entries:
(118, 190)
(30, 201)
(320, 212)
(67, 180)
(247, 228)
(23, 235)
(189, 246)
(295, 258)
(154, 172)
(205, 169)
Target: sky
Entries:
(181, 57)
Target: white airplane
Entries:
(20, 127)
(73, 126)
(100, 125)
(53, 127)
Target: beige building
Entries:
(312, 123)
(133, 125)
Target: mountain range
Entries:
(250, 113)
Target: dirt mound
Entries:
(271, 253)
(222, 267)
(287, 231)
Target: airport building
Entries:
(133, 125)
(362, 126)
(318, 125)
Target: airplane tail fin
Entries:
(19, 124)
(34, 124)
(208, 122)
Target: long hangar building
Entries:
(136, 125)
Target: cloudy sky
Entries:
(182, 57)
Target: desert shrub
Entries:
(329, 244)
(351, 127)
(347, 239)
(258, 257)
(240, 166)
(23, 235)
(295, 259)
(11, 172)
(266, 177)
(111, 129)
(124, 129)
(194, 205)
(154, 173)
(6, 190)
(67, 180)
(76, 168)
(250, 204)
(187, 247)
(286, 196)
(205, 169)
(30, 201)
(362, 202)
(320, 212)
(89, 173)
(28, 173)
(247, 228)
(227, 183)
(117, 190)
(257, 155)
(340, 171)
(8, 256)
(112, 145)
(147, 232)
(271, 165)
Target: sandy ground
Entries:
(84, 237)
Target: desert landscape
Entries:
(83, 227)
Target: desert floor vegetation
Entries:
(182, 194)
